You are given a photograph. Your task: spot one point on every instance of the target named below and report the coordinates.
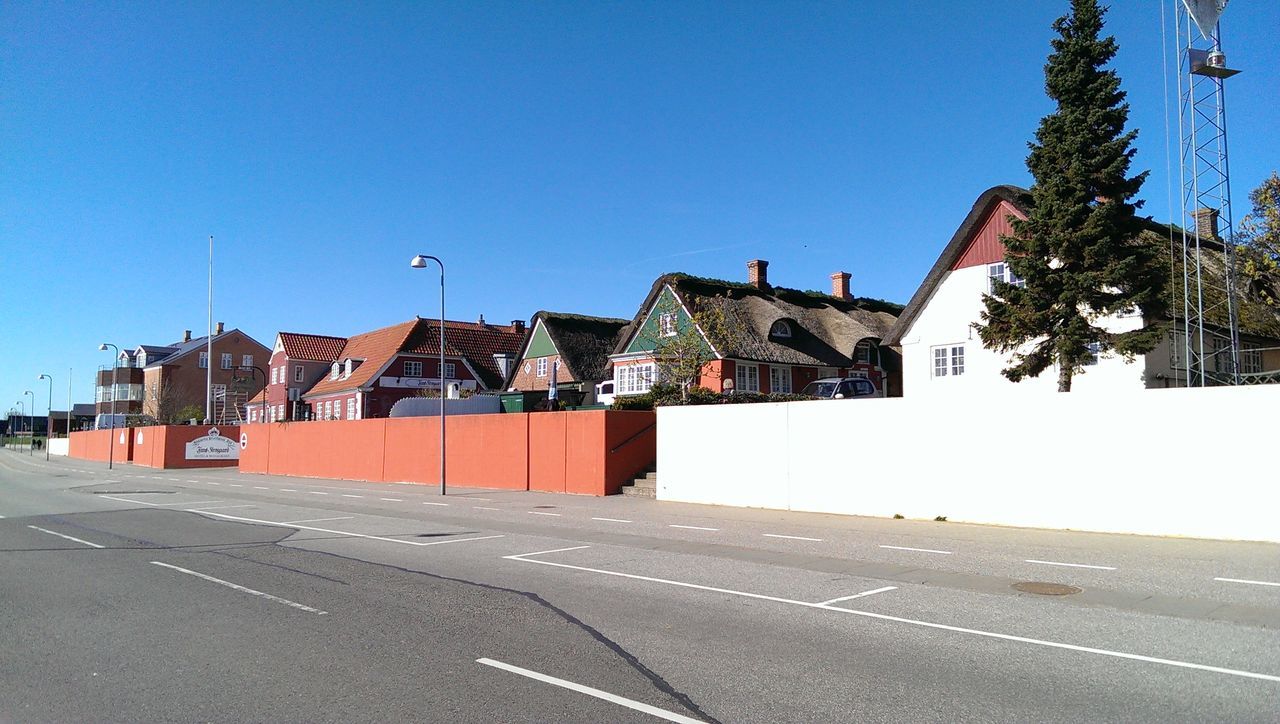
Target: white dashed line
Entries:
(443, 505)
(235, 485)
(212, 483)
(318, 520)
(288, 490)
(1071, 565)
(612, 520)
(1245, 580)
(242, 589)
(859, 595)
(76, 540)
(919, 550)
(791, 537)
(690, 527)
(316, 492)
(261, 487)
(590, 691)
(392, 500)
(349, 495)
(539, 512)
(481, 507)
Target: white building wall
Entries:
(1065, 462)
(946, 320)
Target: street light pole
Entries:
(420, 262)
(115, 362)
(255, 368)
(31, 438)
(208, 381)
(22, 412)
(49, 423)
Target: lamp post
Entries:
(49, 424)
(9, 428)
(115, 363)
(31, 424)
(255, 368)
(22, 413)
(420, 262)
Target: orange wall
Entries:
(97, 444)
(551, 451)
(161, 446)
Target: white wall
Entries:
(1146, 461)
(59, 445)
(945, 320)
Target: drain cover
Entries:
(1045, 589)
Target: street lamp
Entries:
(420, 262)
(115, 363)
(13, 411)
(22, 413)
(252, 369)
(49, 423)
(31, 424)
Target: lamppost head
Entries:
(102, 347)
(419, 262)
(41, 377)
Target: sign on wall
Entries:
(424, 383)
(213, 446)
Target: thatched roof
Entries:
(584, 343)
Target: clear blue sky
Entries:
(557, 155)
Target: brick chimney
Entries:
(840, 286)
(758, 273)
(517, 325)
(186, 335)
(1207, 223)
(217, 330)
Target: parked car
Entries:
(604, 393)
(835, 388)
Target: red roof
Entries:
(312, 347)
(474, 342)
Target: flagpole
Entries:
(208, 378)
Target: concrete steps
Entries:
(645, 486)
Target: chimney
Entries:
(217, 329)
(840, 286)
(1207, 223)
(758, 273)
(481, 319)
(186, 335)
(517, 325)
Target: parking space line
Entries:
(1245, 580)
(919, 550)
(859, 595)
(155, 505)
(791, 537)
(1071, 565)
(60, 535)
(318, 520)
(348, 533)
(690, 527)
(590, 691)
(225, 507)
(242, 589)
(915, 622)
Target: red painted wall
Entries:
(572, 452)
(985, 247)
(165, 446)
(96, 444)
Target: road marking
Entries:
(690, 527)
(859, 595)
(77, 540)
(176, 480)
(1, 517)
(1245, 580)
(1071, 565)
(235, 485)
(349, 495)
(316, 492)
(213, 483)
(318, 520)
(612, 520)
(154, 505)
(589, 691)
(393, 500)
(242, 589)
(224, 507)
(261, 487)
(193, 481)
(921, 550)
(348, 533)
(487, 500)
(481, 507)
(913, 622)
(444, 505)
(518, 556)
(791, 537)
(539, 512)
(288, 490)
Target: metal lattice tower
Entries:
(1210, 341)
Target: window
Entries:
(1095, 354)
(450, 370)
(542, 366)
(334, 369)
(204, 360)
(780, 329)
(246, 360)
(226, 360)
(297, 373)
(1221, 352)
(1001, 271)
(862, 352)
(351, 409)
(747, 378)
(780, 379)
(271, 414)
(273, 375)
(1250, 361)
(328, 409)
(142, 359)
(667, 324)
(948, 360)
(412, 369)
(634, 379)
(347, 367)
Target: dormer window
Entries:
(780, 330)
(142, 359)
(335, 370)
(346, 372)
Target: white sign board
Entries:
(423, 383)
(213, 446)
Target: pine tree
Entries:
(1079, 250)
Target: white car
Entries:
(604, 393)
(835, 388)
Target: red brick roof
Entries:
(474, 342)
(312, 347)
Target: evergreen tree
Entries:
(1259, 243)
(1079, 250)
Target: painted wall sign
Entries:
(244, 440)
(213, 446)
(424, 383)
(138, 440)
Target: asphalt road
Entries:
(140, 595)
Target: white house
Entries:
(942, 353)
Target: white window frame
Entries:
(297, 372)
(746, 377)
(274, 376)
(1095, 354)
(947, 360)
(779, 373)
(246, 360)
(328, 409)
(450, 370)
(634, 379)
(667, 324)
(1001, 270)
(412, 368)
(226, 360)
(1250, 361)
(542, 366)
(351, 408)
(204, 360)
(780, 329)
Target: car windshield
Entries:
(819, 389)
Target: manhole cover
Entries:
(1045, 589)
